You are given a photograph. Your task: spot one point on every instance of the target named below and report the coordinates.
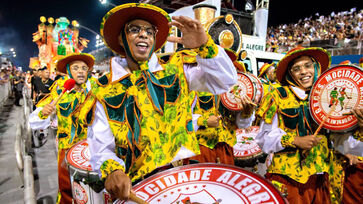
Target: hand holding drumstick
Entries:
(315, 140)
(49, 108)
(118, 184)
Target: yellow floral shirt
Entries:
(149, 113)
(211, 136)
(292, 117)
(69, 132)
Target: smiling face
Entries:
(79, 70)
(140, 35)
(302, 70)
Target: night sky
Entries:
(19, 19)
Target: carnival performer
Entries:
(300, 163)
(347, 163)
(216, 126)
(142, 115)
(268, 77)
(76, 66)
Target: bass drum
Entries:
(87, 188)
(247, 85)
(246, 151)
(208, 184)
(336, 92)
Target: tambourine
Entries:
(208, 184)
(341, 89)
(247, 84)
(246, 151)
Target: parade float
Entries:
(56, 38)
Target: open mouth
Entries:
(81, 78)
(305, 79)
(142, 47)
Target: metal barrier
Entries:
(5, 90)
(22, 147)
(19, 151)
(29, 193)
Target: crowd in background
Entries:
(343, 29)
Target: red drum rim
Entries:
(232, 105)
(321, 97)
(77, 157)
(237, 176)
(258, 89)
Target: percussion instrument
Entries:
(246, 151)
(206, 183)
(247, 84)
(87, 188)
(340, 87)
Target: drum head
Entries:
(246, 147)
(78, 156)
(341, 86)
(244, 86)
(207, 183)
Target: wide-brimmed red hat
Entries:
(320, 55)
(116, 19)
(264, 68)
(62, 63)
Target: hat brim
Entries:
(264, 70)
(318, 54)
(87, 58)
(116, 19)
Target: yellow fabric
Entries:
(358, 136)
(163, 132)
(66, 104)
(211, 136)
(336, 176)
(290, 163)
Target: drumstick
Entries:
(136, 199)
(332, 109)
(68, 85)
(249, 100)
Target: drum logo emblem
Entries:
(246, 145)
(79, 193)
(337, 91)
(207, 183)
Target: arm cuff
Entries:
(287, 141)
(208, 50)
(41, 116)
(110, 166)
(357, 135)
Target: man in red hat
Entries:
(267, 75)
(142, 118)
(301, 161)
(76, 66)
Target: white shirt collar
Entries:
(118, 63)
(299, 92)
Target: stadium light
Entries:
(105, 2)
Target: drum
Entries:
(247, 84)
(246, 151)
(87, 188)
(207, 183)
(336, 92)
